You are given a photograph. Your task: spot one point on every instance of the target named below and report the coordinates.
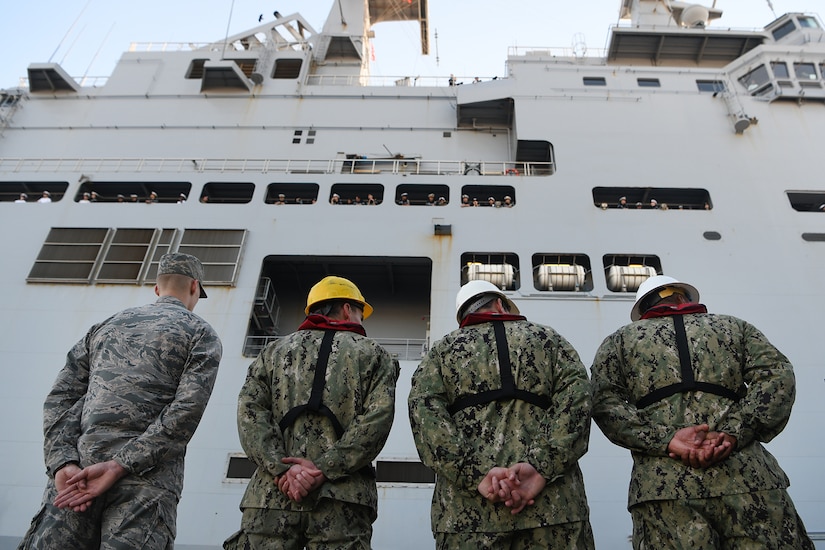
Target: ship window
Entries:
(287, 68)
(807, 22)
(134, 192)
(419, 195)
(562, 272)
(485, 192)
(666, 198)
(807, 201)
(129, 251)
(227, 192)
(357, 193)
(399, 471)
(501, 269)
(805, 71)
(195, 69)
(783, 30)
(69, 255)
(710, 85)
(757, 81)
(648, 82)
(9, 100)
(239, 467)
(624, 273)
(219, 250)
(397, 287)
(534, 157)
(594, 81)
(780, 69)
(293, 193)
(10, 190)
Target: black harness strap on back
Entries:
(688, 382)
(508, 388)
(318, 383)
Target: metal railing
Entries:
(291, 166)
(403, 349)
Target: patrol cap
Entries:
(182, 264)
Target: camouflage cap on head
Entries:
(182, 264)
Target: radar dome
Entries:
(695, 16)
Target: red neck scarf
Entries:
(478, 318)
(319, 322)
(667, 310)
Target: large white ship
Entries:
(713, 136)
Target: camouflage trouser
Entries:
(331, 525)
(760, 520)
(566, 536)
(127, 516)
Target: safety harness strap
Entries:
(508, 388)
(688, 382)
(318, 382)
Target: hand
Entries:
(85, 485)
(62, 477)
(300, 479)
(697, 447)
(516, 486)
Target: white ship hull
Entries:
(551, 134)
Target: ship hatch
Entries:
(50, 77)
(496, 113)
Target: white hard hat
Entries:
(474, 289)
(652, 284)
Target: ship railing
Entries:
(360, 165)
(403, 349)
(389, 81)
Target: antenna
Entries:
(228, 22)
(105, 38)
(437, 58)
(70, 30)
(770, 5)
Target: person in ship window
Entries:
(336, 199)
(22, 198)
(45, 197)
(622, 202)
(152, 198)
(371, 199)
(694, 395)
(654, 204)
(475, 202)
(430, 200)
(405, 200)
(465, 201)
(281, 199)
(119, 417)
(442, 201)
(85, 198)
(313, 413)
(357, 200)
(491, 201)
(508, 201)
(500, 410)
(181, 198)
(133, 197)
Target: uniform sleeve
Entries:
(565, 425)
(260, 435)
(63, 407)
(440, 443)
(365, 435)
(618, 418)
(771, 389)
(171, 431)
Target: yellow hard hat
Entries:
(336, 288)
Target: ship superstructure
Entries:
(277, 159)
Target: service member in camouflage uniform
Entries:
(693, 396)
(506, 462)
(119, 417)
(315, 410)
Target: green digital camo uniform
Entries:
(726, 351)
(360, 391)
(464, 447)
(133, 390)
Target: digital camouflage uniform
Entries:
(360, 391)
(133, 390)
(641, 357)
(462, 448)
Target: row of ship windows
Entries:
(662, 198)
(131, 255)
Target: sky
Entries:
(467, 37)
